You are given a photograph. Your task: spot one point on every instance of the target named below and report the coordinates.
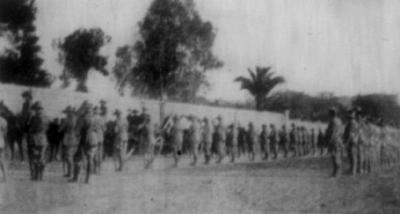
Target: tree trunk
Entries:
(258, 100)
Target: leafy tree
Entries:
(174, 50)
(260, 84)
(20, 64)
(379, 107)
(304, 106)
(123, 65)
(80, 52)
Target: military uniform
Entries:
(177, 139)
(314, 141)
(231, 142)
(242, 135)
(120, 142)
(70, 141)
(294, 140)
(351, 139)
(220, 139)
(38, 128)
(148, 142)
(98, 124)
(3, 133)
(251, 141)
(274, 139)
(264, 142)
(321, 142)
(195, 137)
(334, 139)
(207, 140)
(284, 141)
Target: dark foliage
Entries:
(21, 63)
(260, 84)
(303, 106)
(379, 108)
(174, 51)
(79, 52)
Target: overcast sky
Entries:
(341, 46)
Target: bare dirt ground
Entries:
(283, 186)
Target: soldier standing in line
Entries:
(251, 141)
(98, 127)
(70, 141)
(241, 141)
(195, 137)
(321, 141)
(82, 126)
(274, 139)
(54, 139)
(3, 132)
(234, 150)
(231, 142)
(334, 140)
(220, 139)
(39, 125)
(284, 141)
(91, 142)
(294, 140)
(306, 140)
(314, 140)
(207, 140)
(120, 141)
(147, 133)
(351, 141)
(300, 141)
(177, 139)
(264, 142)
(26, 115)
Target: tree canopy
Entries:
(174, 51)
(304, 106)
(260, 84)
(21, 63)
(80, 52)
(379, 107)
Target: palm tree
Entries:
(260, 84)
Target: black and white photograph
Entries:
(199, 106)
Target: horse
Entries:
(14, 130)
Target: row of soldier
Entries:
(84, 131)
(234, 141)
(82, 134)
(368, 145)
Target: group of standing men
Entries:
(83, 134)
(213, 138)
(369, 145)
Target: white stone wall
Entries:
(55, 100)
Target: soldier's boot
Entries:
(88, 172)
(76, 172)
(176, 161)
(68, 174)
(34, 175)
(220, 158)
(207, 159)
(41, 171)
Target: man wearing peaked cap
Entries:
(26, 114)
(38, 128)
(334, 141)
(69, 141)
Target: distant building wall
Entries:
(55, 100)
